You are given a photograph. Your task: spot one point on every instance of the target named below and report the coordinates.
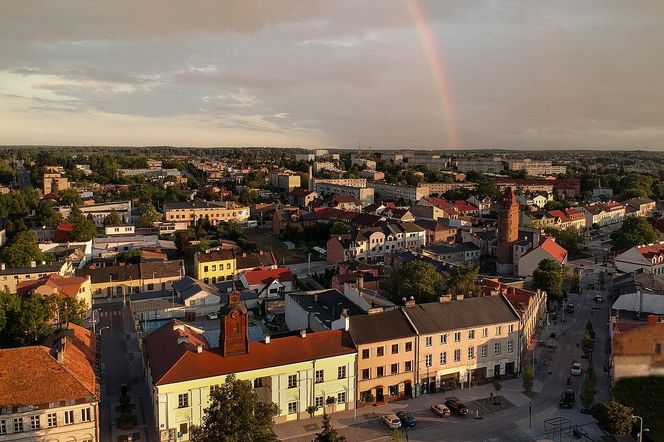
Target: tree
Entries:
(84, 230)
(236, 414)
(588, 390)
(528, 378)
(22, 250)
(183, 239)
(549, 276)
(67, 309)
(634, 231)
(488, 188)
(339, 228)
(130, 256)
(328, 434)
(148, 215)
(613, 417)
(26, 320)
(418, 279)
(397, 436)
(462, 281)
(70, 197)
(45, 215)
(112, 219)
(570, 239)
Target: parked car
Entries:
(441, 410)
(407, 419)
(213, 315)
(392, 421)
(569, 308)
(598, 299)
(576, 369)
(567, 399)
(456, 407)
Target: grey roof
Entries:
(435, 317)
(188, 287)
(39, 268)
(199, 205)
(453, 248)
(380, 327)
(652, 303)
(151, 305)
(326, 304)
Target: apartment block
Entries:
(188, 212)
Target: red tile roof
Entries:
(32, 376)
(554, 249)
(171, 362)
(265, 276)
(58, 285)
(465, 207)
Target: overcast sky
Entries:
(531, 74)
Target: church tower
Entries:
(508, 231)
(234, 331)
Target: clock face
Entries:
(235, 314)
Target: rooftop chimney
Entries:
(445, 299)
(359, 281)
(60, 352)
(33, 264)
(410, 302)
(267, 339)
(344, 314)
(375, 311)
(199, 349)
(2, 266)
(459, 298)
(303, 333)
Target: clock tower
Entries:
(233, 334)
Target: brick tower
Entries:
(233, 335)
(508, 231)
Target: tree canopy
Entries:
(23, 320)
(22, 250)
(418, 279)
(613, 417)
(112, 219)
(549, 276)
(570, 239)
(634, 231)
(462, 281)
(328, 433)
(236, 414)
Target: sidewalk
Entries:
(512, 390)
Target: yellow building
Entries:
(54, 284)
(189, 212)
(314, 370)
(214, 266)
(10, 278)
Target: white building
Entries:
(646, 256)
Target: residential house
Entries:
(302, 197)
(213, 266)
(53, 284)
(434, 208)
(639, 207)
(465, 253)
(185, 213)
(10, 278)
(483, 204)
(645, 256)
(194, 293)
(309, 371)
(465, 340)
(268, 283)
(604, 214)
(437, 231)
(547, 249)
(319, 310)
(51, 392)
(386, 356)
(259, 260)
(346, 202)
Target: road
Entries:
(302, 269)
(513, 424)
(23, 175)
(121, 365)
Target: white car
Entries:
(441, 410)
(576, 369)
(213, 315)
(392, 421)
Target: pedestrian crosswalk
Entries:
(111, 313)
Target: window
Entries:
(443, 338)
(69, 417)
(319, 402)
(320, 376)
(205, 268)
(471, 352)
(3, 426)
(34, 422)
(365, 353)
(395, 349)
(658, 349)
(427, 360)
(52, 420)
(409, 346)
(510, 346)
(428, 341)
(457, 355)
(511, 328)
(483, 350)
(443, 358)
(183, 400)
(496, 348)
(258, 382)
(292, 381)
(292, 407)
(485, 332)
(214, 268)
(457, 336)
(408, 366)
(18, 424)
(341, 397)
(150, 287)
(499, 330)
(380, 371)
(184, 428)
(341, 372)
(394, 369)
(380, 351)
(471, 334)
(228, 266)
(366, 373)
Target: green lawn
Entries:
(265, 240)
(645, 395)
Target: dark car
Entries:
(567, 399)
(406, 418)
(569, 308)
(457, 407)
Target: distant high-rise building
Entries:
(508, 231)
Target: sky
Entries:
(386, 74)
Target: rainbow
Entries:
(437, 64)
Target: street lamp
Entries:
(94, 322)
(102, 329)
(640, 439)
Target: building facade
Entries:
(191, 211)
